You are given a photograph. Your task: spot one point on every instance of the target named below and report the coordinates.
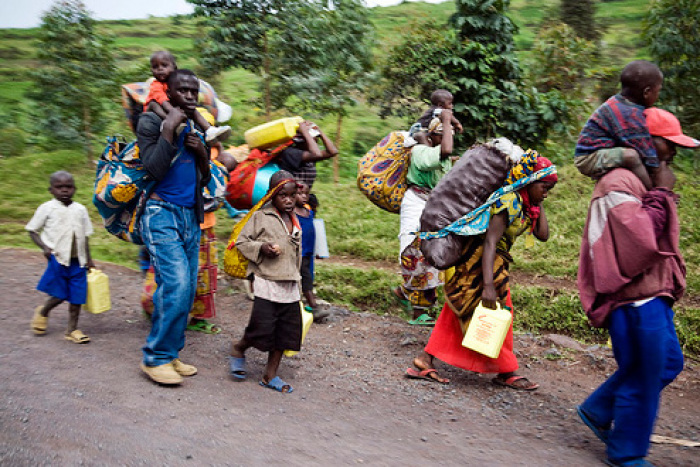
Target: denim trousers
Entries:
(171, 235)
(649, 357)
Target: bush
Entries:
(12, 141)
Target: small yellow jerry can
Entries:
(487, 330)
(306, 319)
(272, 133)
(98, 299)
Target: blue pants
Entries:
(65, 282)
(649, 357)
(171, 235)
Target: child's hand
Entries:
(456, 124)
(47, 253)
(91, 265)
(270, 250)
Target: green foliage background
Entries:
(356, 229)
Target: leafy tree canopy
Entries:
(672, 31)
(76, 73)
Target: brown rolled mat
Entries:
(479, 172)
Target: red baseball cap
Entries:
(663, 123)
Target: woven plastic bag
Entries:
(235, 264)
(381, 173)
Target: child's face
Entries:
(446, 104)
(302, 194)
(651, 94)
(161, 67)
(63, 189)
(286, 198)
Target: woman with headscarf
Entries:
(482, 275)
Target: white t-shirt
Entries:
(59, 225)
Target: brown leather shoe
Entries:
(162, 374)
(183, 369)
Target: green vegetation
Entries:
(355, 227)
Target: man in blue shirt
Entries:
(179, 160)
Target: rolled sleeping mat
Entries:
(479, 172)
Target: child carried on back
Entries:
(440, 99)
(271, 241)
(616, 135)
(61, 227)
(162, 64)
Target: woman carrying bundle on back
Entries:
(482, 275)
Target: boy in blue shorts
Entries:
(61, 227)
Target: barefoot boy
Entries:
(61, 227)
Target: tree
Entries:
(580, 15)
(672, 31)
(75, 77)
(475, 61)
(246, 34)
(321, 72)
(561, 60)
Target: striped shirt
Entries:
(618, 123)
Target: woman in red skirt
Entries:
(483, 276)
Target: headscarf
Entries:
(530, 163)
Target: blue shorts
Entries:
(65, 282)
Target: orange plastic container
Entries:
(272, 133)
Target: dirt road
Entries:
(67, 404)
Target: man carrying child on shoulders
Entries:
(179, 161)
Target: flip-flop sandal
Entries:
(430, 374)
(39, 323)
(237, 367)
(599, 431)
(511, 383)
(204, 326)
(405, 303)
(278, 385)
(423, 320)
(77, 337)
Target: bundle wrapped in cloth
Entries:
(478, 173)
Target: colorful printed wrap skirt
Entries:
(463, 291)
(203, 307)
(420, 278)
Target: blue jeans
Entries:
(649, 357)
(171, 235)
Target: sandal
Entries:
(423, 320)
(399, 297)
(429, 374)
(237, 367)
(278, 385)
(202, 325)
(39, 323)
(77, 337)
(520, 383)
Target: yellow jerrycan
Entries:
(274, 133)
(487, 330)
(98, 298)
(306, 319)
